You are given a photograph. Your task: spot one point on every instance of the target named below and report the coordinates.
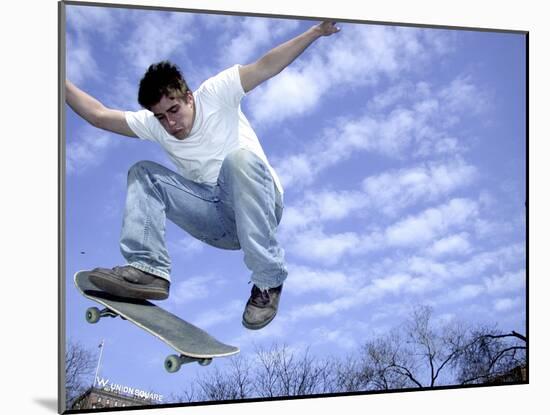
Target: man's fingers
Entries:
(330, 27)
(327, 28)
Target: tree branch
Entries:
(407, 374)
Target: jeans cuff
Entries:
(265, 283)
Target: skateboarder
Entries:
(225, 192)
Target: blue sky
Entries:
(402, 152)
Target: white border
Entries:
(29, 202)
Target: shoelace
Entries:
(124, 272)
(260, 298)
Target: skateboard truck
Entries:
(94, 314)
(173, 362)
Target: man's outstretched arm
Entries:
(281, 56)
(95, 112)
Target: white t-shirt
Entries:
(220, 127)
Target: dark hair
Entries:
(162, 78)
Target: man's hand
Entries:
(327, 28)
(280, 57)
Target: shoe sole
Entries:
(115, 286)
(259, 325)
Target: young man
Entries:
(225, 192)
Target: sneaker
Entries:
(261, 307)
(130, 282)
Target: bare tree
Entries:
(349, 375)
(283, 373)
(418, 353)
(79, 370)
(272, 372)
(187, 395)
(491, 354)
(216, 387)
(421, 354)
(266, 373)
(436, 347)
(386, 363)
(241, 377)
(234, 383)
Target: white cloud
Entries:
(394, 190)
(375, 290)
(358, 55)
(305, 279)
(246, 39)
(101, 21)
(192, 289)
(88, 149)
(389, 194)
(451, 245)
(340, 338)
(123, 94)
(415, 126)
(315, 244)
(296, 168)
(82, 24)
(295, 93)
(157, 37)
(401, 282)
(500, 259)
(462, 93)
(81, 64)
(507, 282)
(221, 314)
(186, 246)
(444, 275)
(316, 207)
(491, 228)
(390, 284)
(318, 310)
(466, 292)
(431, 223)
(420, 265)
(415, 231)
(414, 275)
(507, 304)
(419, 278)
(278, 329)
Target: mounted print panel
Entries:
(257, 207)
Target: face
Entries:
(176, 114)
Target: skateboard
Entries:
(192, 343)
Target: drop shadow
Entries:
(48, 403)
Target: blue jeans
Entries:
(242, 210)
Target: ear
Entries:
(189, 99)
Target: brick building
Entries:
(96, 398)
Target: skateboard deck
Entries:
(193, 343)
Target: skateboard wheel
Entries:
(205, 362)
(93, 315)
(172, 363)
